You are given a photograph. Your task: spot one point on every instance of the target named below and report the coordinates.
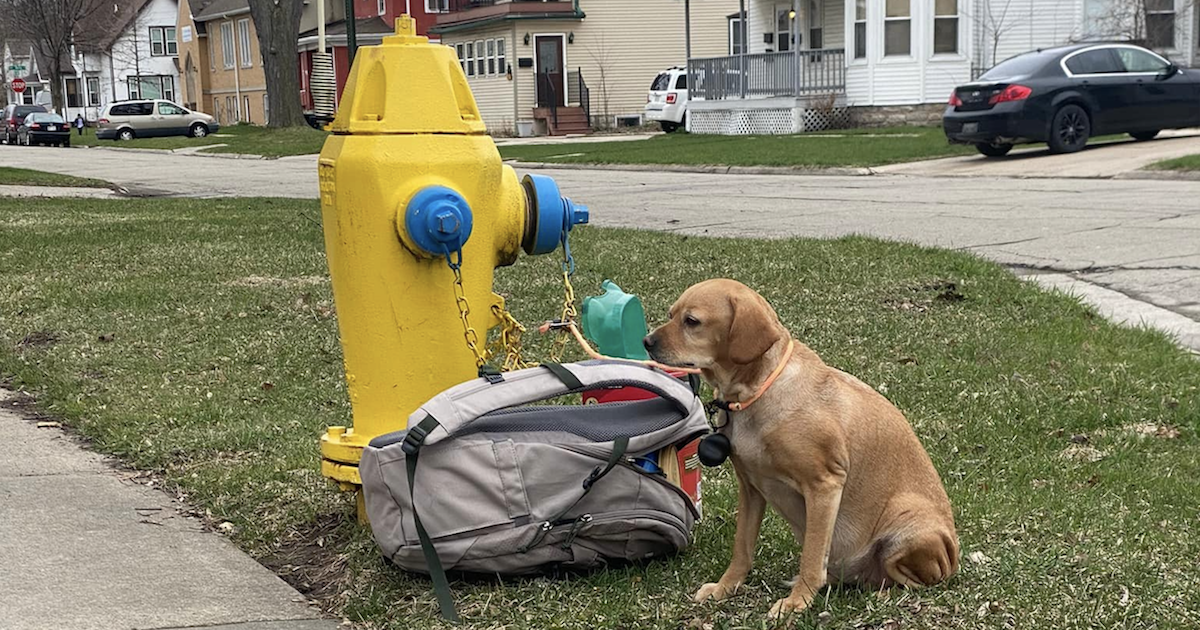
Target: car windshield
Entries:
(661, 82)
(45, 118)
(1019, 66)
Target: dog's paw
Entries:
(714, 591)
(788, 606)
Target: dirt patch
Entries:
(312, 561)
(38, 339)
(944, 292)
(1081, 453)
(266, 281)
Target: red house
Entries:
(374, 19)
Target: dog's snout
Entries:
(649, 342)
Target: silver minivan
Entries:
(126, 120)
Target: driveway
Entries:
(1117, 158)
(1140, 238)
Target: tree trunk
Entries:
(278, 25)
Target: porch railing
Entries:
(765, 75)
(578, 92)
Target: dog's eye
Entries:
(691, 321)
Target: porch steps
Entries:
(571, 120)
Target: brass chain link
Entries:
(568, 315)
(510, 340)
(464, 311)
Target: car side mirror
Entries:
(1168, 72)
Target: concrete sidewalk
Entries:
(83, 546)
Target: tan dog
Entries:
(828, 452)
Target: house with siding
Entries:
(220, 61)
(565, 66)
(810, 63)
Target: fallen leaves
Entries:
(1083, 453)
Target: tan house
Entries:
(220, 64)
(594, 60)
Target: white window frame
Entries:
(243, 29)
(171, 42)
(166, 87)
(856, 37)
(956, 17)
(266, 108)
(480, 59)
(246, 107)
(1173, 11)
(458, 50)
(501, 57)
(382, 6)
(470, 58)
(786, 39)
(212, 53)
(93, 89)
(491, 57)
(735, 30)
(437, 6)
(161, 43)
(816, 22)
(908, 53)
(228, 54)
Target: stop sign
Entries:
(18, 85)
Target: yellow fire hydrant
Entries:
(413, 192)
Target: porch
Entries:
(786, 71)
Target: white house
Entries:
(128, 55)
(807, 61)
(20, 62)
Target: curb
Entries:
(197, 151)
(1163, 175)
(711, 169)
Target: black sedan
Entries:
(41, 128)
(1063, 96)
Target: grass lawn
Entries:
(247, 139)
(28, 177)
(849, 148)
(196, 339)
(1186, 163)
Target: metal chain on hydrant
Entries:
(464, 312)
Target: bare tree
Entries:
(51, 26)
(997, 21)
(599, 53)
(1152, 23)
(278, 23)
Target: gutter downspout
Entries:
(237, 78)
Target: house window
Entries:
(168, 87)
(74, 98)
(501, 61)
(470, 59)
(1160, 23)
(152, 86)
(27, 97)
(246, 108)
(945, 26)
(816, 24)
(212, 57)
(227, 53)
(93, 89)
(783, 30)
(897, 28)
(244, 42)
(735, 34)
(860, 29)
(491, 56)
(217, 110)
(480, 59)
(437, 6)
(266, 108)
(382, 6)
(162, 41)
(458, 49)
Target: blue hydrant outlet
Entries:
(549, 215)
(438, 220)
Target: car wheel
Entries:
(669, 127)
(125, 134)
(199, 130)
(994, 150)
(1143, 136)
(1069, 130)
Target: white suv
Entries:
(667, 101)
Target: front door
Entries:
(551, 77)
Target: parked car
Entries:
(1063, 96)
(667, 101)
(44, 128)
(13, 116)
(126, 120)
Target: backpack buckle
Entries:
(413, 440)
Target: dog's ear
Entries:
(753, 329)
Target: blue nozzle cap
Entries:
(550, 214)
(438, 220)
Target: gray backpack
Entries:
(506, 486)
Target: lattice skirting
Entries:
(766, 121)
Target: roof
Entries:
(204, 10)
(102, 29)
(365, 26)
